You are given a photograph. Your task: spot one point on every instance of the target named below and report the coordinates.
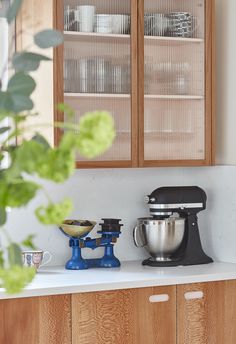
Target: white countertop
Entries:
(57, 280)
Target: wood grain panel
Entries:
(141, 80)
(37, 320)
(58, 70)
(210, 81)
(34, 17)
(208, 320)
(134, 83)
(124, 317)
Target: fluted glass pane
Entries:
(97, 65)
(174, 85)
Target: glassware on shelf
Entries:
(121, 77)
(166, 78)
(69, 19)
(155, 24)
(96, 75)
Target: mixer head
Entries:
(185, 200)
(77, 228)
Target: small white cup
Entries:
(85, 15)
(35, 258)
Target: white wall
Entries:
(120, 193)
(226, 76)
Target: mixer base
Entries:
(176, 262)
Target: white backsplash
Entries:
(120, 193)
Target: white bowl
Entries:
(120, 23)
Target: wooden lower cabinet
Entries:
(36, 320)
(211, 317)
(124, 317)
(202, 313)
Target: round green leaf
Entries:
(41, 139)
(21, 103)
(14, 254)
(27, 61)
(13, 10)
(15, 102)
(48, 39)
(21, 83)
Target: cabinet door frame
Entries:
(208, 319)
(58, 23)
(209, 92)
(132, 316)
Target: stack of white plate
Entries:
(120, 23)
(103, 23)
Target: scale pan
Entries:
(77, 228)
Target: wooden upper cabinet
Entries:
(175, 94)
(206, 313)
(98, 68)
(132, 316)
(150, 64)
(36, 320)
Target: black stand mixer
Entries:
(171, 235)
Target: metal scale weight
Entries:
(77, 231)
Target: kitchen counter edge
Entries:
(57, 280)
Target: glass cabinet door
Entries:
(174, 122)
(97, 68)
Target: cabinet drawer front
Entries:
(206, 312)
(125, 316)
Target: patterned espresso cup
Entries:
(35, 258)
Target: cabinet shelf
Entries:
(163, 40)
(173, 97)
(85, 36)
(97, 95)
(168, 133)
(127, 96)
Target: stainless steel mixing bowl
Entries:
(161, 238)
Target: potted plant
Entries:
(34, 157)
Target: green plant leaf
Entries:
(54, 214)
(3, 216)
(4, 129)
(15, 102)
(58, 165)
(28, 242)
(21, 103)
(18, 193)
(16, 278)
(14, 254)
(96, 133)
(21, 83)
(1, 259)
(3, 112)
(41, 139)
(66, 109)
(48, 39)
(27, 61)
(26, 158)
(13, 10)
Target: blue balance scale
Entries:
(77, 231)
